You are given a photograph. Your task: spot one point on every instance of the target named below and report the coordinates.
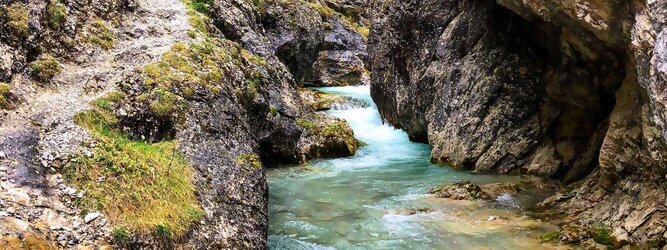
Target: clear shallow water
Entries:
(360, 202)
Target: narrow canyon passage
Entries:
(378, 198)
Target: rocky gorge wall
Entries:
(149, 124)
(570, 90)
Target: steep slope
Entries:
(140, 124)
(563, 89)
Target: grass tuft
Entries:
(4, 92)
(100, 34)
(56, 14)
(45, 68)
(602, 235)
(143, 188)
(17, 17)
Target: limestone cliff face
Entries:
(322, 43)
(219, 80)
(571, 90)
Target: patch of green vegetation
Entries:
(323, 10)
(143, 188)
(260, 5)
(202, 6)
(198, 65)
(602, 235)
(56, 14)
(100, 34)
(254, 58)
(249, 160)
(551, 236)
(44, 68)
(307, 124)
(273, 110)
(198, 18)
(120, 236)
(334, 128)
(17, 17)
(329, 129)
(4, 91)
(164, 103)
(105, 103)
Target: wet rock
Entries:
(413, 211)
(325, 137)
(464, 190)
(321, 101)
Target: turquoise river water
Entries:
(364, 201)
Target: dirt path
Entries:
(40, 134)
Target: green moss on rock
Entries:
(45, 68)
(551, 236)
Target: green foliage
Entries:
(260, 5)
(273, 110)
(100, 34)
(120, 236)
(198, 10)
(17, 17)
(202, 6)
(140, 186)
(56, 14)
(4, 91)
(44, 68)
(198, 65)
(165, 103)
(602, 235)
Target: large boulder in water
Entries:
(464, 190)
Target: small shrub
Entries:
(100, 34)
(602, 235)
(4, 92)
(202, 6)
(17, 18)
(197, 10)
(56, 14)
(45, 68)
(120, 236)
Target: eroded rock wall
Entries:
(564, 89)
(323, 43)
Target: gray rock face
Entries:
(250, 118)
(300, 34)
(552, 88)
